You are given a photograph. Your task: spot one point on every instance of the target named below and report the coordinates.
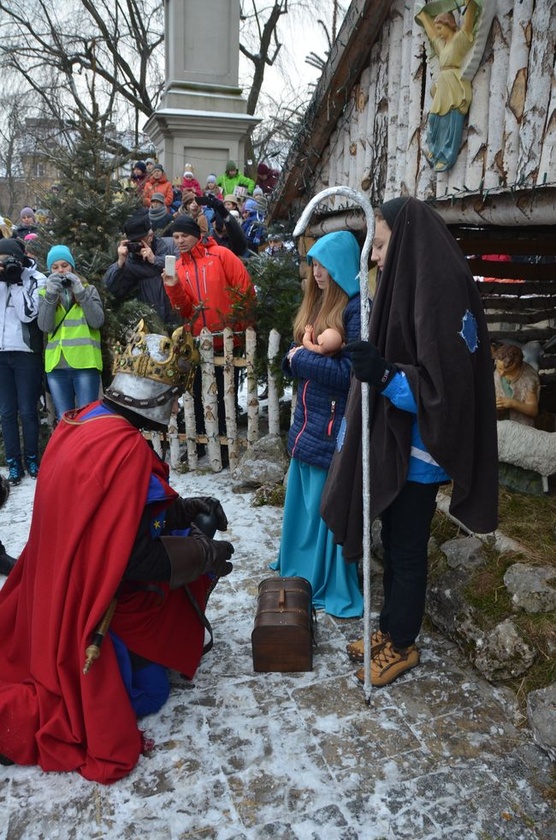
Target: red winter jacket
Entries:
(214, 289)
(158, 185)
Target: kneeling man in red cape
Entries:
(110, 543)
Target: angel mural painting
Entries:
(457, 57)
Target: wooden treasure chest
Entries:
(283, 635)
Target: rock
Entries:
(503, 654)
(499, 654)
(266, 462)
(532, 587)
(541, 713)
(449, 611)
(464, 552)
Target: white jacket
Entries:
(19, 306)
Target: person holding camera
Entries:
(20, 358)
(137, 273)
(71, 313)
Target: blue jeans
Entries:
(20, 389)
(72, 388)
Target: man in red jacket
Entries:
(210, 288)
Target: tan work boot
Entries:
(356, 650)
(389, 663)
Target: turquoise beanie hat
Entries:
(59, 252)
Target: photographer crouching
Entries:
(21, 366)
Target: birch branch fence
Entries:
(171, 442)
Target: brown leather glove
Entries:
(195, 555)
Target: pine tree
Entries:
(87, 213)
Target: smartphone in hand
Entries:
(170, 265)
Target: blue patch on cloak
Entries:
(469, 331)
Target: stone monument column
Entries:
(202, 117)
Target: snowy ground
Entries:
(296, 756)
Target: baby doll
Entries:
(328, 342)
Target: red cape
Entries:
(90, 495)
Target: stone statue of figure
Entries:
(452, 94)
(517, 386)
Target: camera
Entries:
(66, 283)
(13, 270)
(134, 247)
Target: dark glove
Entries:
(195, 555)
(217, 206)
(368, 364)
(216, 553)
(189, 510)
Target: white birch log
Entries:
(497, 92)
(190, 429)
(548, 153)
(230, 399)
(173, 437)
(209, 398)
(517, 81)
(537, 94)
(273, 398)
(252, 398)
(394, 63)
(403, 97)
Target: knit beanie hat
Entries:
(140, 165)
(136, 227)
(251, 205)
(27, 211)
(185, 224)
(12, 248)
(231, 165)
(157, 197)
(211, 179)
(158, 166)
(187, 196)
(59, 252)
(390, 210)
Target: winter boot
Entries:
(6, 562)
(32, 463)
(356, 650)
(389, 663)
(15, 473)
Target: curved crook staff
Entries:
(365, 204)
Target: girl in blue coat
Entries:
(331, 300)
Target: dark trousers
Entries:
(20, 389)
(406, 525)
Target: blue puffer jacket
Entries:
(323, 381)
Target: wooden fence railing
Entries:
(171, 442)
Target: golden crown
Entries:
(178, 357)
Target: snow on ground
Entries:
(295, 756)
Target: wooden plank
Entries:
(518, 317)
(519, 290)
(513, 270)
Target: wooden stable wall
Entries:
(365, 127)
